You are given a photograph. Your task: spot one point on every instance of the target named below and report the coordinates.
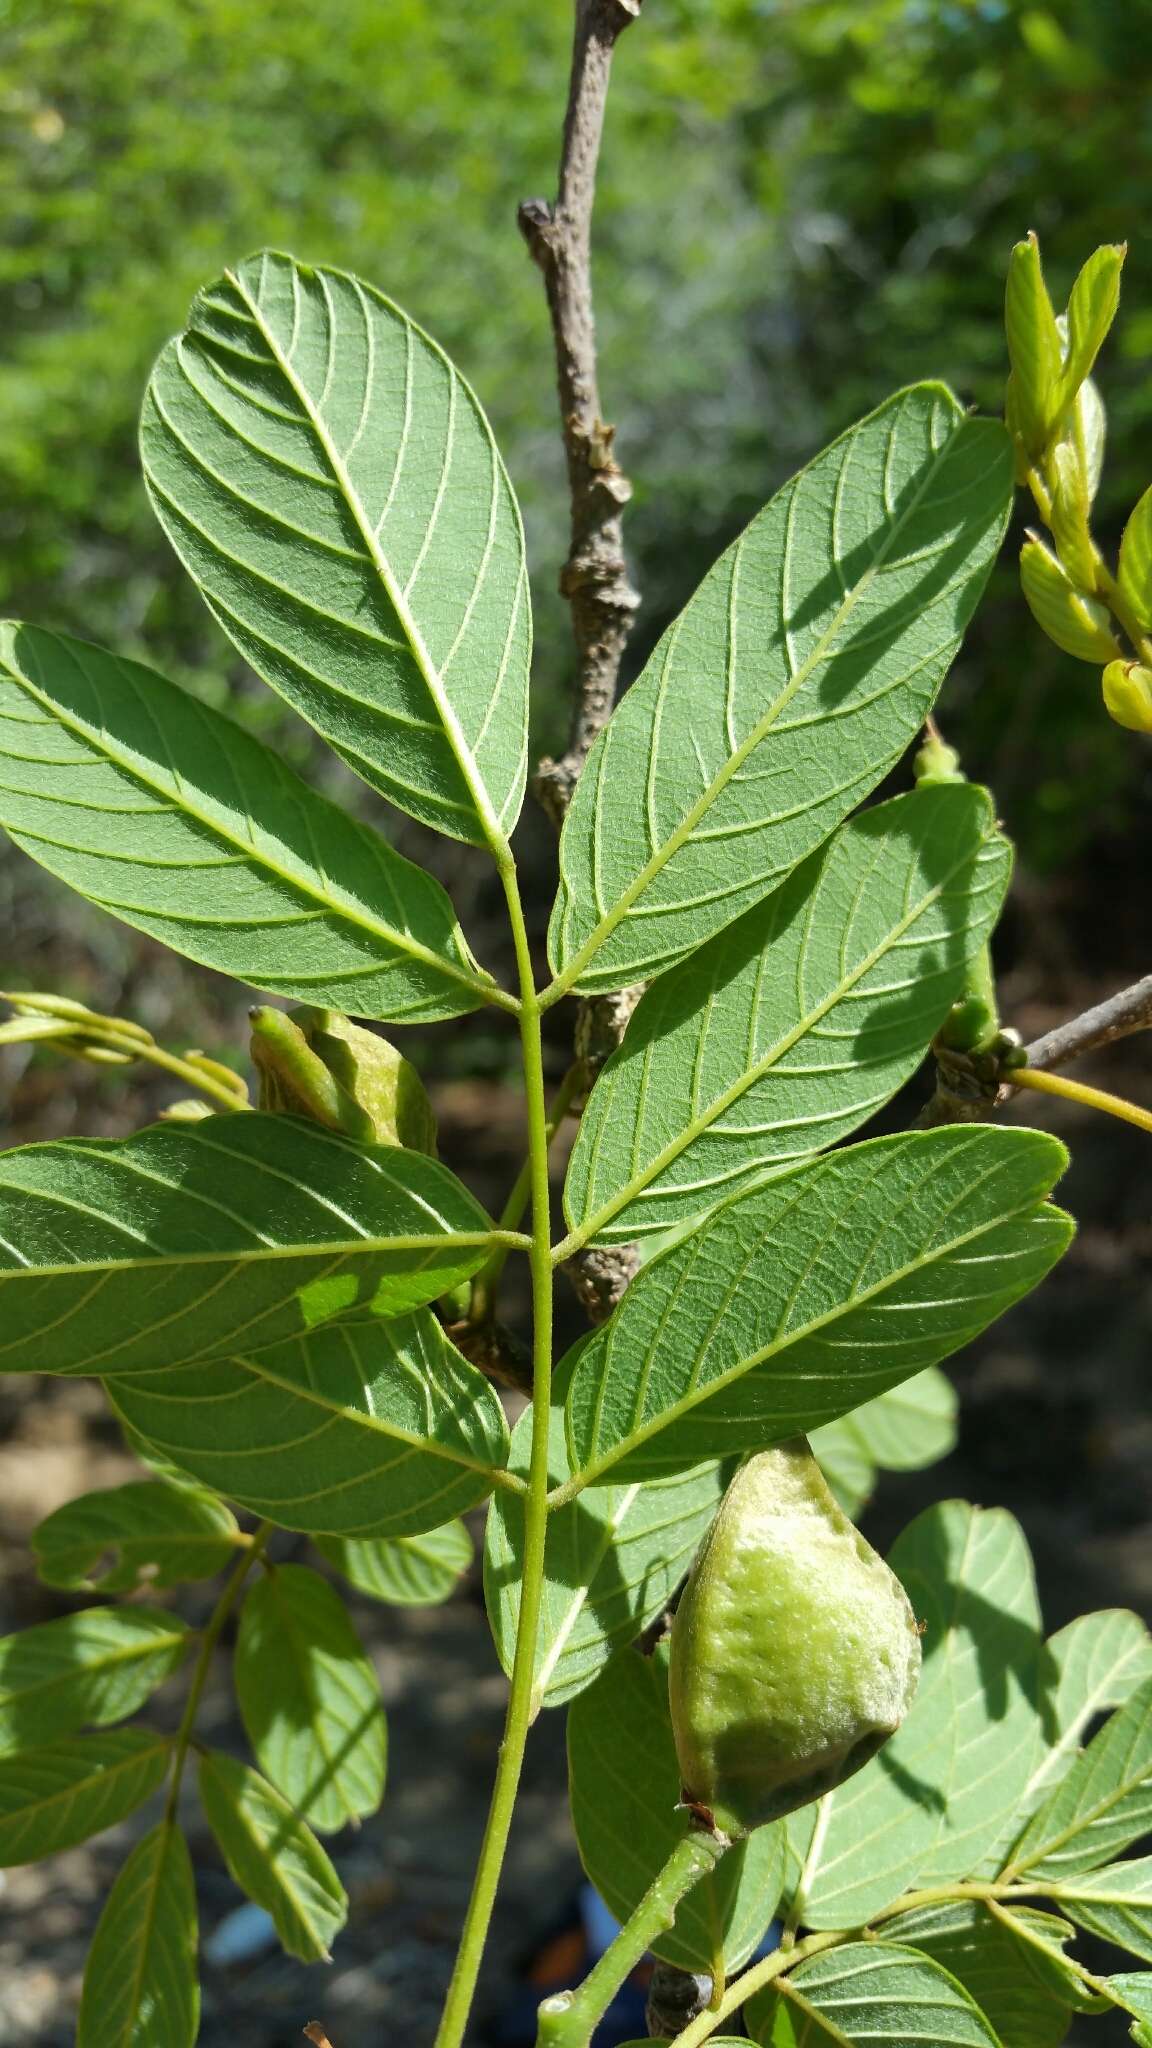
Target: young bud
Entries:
(316, 1063)
(1033, 349)
(1128, 694)
(1135, 573)
(1076, 622)
(795, 1653)
(1091, 310)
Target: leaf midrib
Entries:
(303, 884)
(654, 866)
(747, 1080)
(493, 830)
(684, 1407)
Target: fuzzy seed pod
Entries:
(795, 1653)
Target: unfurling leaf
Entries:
(1077, 623)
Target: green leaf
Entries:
(330, 482)
(1096, 1662)
(406, 1571)
(624, 1786)
(88, 1668)
(902, 1431)
(1092, 307)
(864, 1992)
(310, 1699)
(355, 1430)
(273, 1856)
(63, 1793)
(191, 1241)
(613, 1558)
(140, 1983)
(1115, 1903)
(145, 1534)
(803, 1298)
(1034, 348)
(1135, 577)
(789, 1029)
(1102, 1803)
(927, 1805)
(791, 682)
(968, 1572)
(1133, 1990)
(1009, 1962)
(177, 821)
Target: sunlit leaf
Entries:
(309, 1698)
(624, 1786)
(793, 679)
(190, 1241)
(140, 1983)
(176, 820)
(330, 482)
(364, 1429)
(801, 1299)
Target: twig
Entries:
(595, 577)
(1130, 1009)
(314, 2032)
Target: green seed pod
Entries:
(795, 1652)
(316, 1063)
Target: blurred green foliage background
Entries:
(802, 206)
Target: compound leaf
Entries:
(864, 1991)
(805, 1297)
(83, 1669)
(1010, 1963)
(1096, 1662)
(191, 1241)
(147, 1533)
(1101, 1804)
(790, 683)
(926, 1806)
(273, 1856)
(65, 1792)
(331, 484)
(789, 1029)
(613, 1558)
(1115, 1903)
(140, 1984)
(624, 1786)
(310, 1699)
(171, 817)
(357, 1429)
(406, 1571)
